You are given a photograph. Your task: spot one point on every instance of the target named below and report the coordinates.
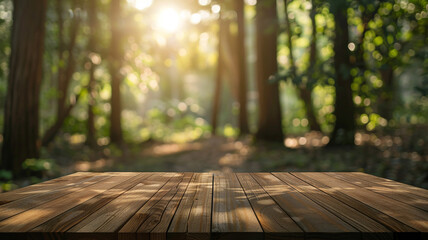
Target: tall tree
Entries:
(93, 61)
(66, 69)
(116, 61)
(219, 76)
(21, 118)
(344, 109)
(242, 70)
(306, 92)
(269, 125)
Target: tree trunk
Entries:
(306, 96)
(242, 80)
(269, 125)
(54, 129)
(230, 58)
(218, 79)
(344, 109)
(116, 55)
(306, 93)
(93, 25)
(386, 98)
(61, 60)
(290, 42)
(21, 118)
(65, 73)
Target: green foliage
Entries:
(5, 25)
(161, 126)
(6, 183)
(5, 175)
(39, 167)
(167, 78)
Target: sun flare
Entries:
(141, 4)
(168, 20)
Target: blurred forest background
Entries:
(213, 85)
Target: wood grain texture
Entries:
(68, 219)
(148, 217)
(410, 218)
(370, 228)
(113, 215)
(33, 217)
(44, 187)
(215, 206)
(160, 231)
(401, 195)
(199, 222)
(10, 209)
(178, 225)
(232, 213)
(317, 222)
(274, 221)
(394, 185)
(391, 223)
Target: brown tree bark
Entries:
(290, 37)
(65, 71)
(93, 25)
(21, 118)
(269, 125)
(242, 70)
(386, 98)
(344, 109)
(306, 96)
(219, 76)
(306, 93)
(116, 59)
(230, 58)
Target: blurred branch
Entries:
(64, 77)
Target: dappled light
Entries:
(214, 86)
(97, 165)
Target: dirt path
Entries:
(213, 154)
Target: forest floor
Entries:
(400, 155)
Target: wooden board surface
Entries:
(215, 206)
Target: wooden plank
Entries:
(199, 222)
(13, 208)
(193, 216)
(154, 206)
(203, 206)
(114, 214)
(369, 227)
(149, 215)
(420, 192)
(160, 231)
(274, 221)
(68, 219)
(30, 219)
(232, 213)
(401, 230)
(404, 213)
(178, 226)
(399, 195)
(44, 187)
(316, 222)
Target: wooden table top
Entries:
(209, 206)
